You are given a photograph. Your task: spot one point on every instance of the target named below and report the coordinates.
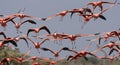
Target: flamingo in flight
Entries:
(21, 58)
(56, 54)
(114, 49)
(36, 30)
(100, 4)
(82, 53)
(23, 15)
(106, 36)
(111, 58)
(109, 34)
(18, 25)
(73, 37)
(88, 17)
(34, 58)
(62, 14)
(79, 11)
(99, 14)
(5, 20)
(37, 45)
(53, 36)
(16, 39)
(8, 41)
(52, 61)
(111, 45)
(36, 63)
(96, 15)
(70, 56)
(115, 34)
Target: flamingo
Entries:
(36, 30)
(88, 17)
(111, 34)
(71, 56)
(22, 59)
(53, 36)
(106, 36)
(57, 36)
(83, 54)
(111, 45)
(56, 54)
(8, 41)
(22, 15)
(36, 63)
(73, 37)
(111, 58)
(51, 61)
(62, 14)
(37, 45)
(115, 33)
(99, 14)
(18, 25)
(16, 39)
(34, 58)
(114, 49)
(100, 4)
(5, 20)
(79, 11)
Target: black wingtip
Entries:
(43, 19)
(28, 32)
(66, 48)
(102, 17)
(96, 33)
(46, 28)
(86, 58)
(1, 15)
(88, 40)
(69, 58)
(45, 49)
(71, 15)
(31, 21)
(2, 33)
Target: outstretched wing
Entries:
(30, 30)
(69, 57)
(30, 21)
(2, 33)
(64, 48)
(43, 40)
(46, 49)
(45, 28)
(25, 40)
(106, 9)
(11, 41)
(83, 35)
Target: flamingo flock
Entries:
(86, 13)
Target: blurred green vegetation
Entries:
(8, 52)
